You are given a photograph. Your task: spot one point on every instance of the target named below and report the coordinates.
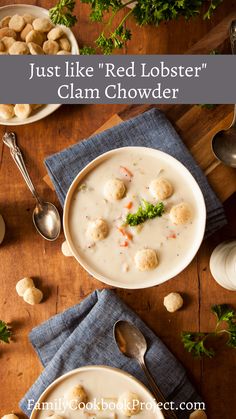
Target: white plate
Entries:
(196, 240)
(37, 12)
(100, 382)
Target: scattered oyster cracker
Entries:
(10, 416)
(26, 289)
(33, 296)
(198, 414)
(173, 302)
(23, 284)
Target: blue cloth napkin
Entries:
(150, 129)
(83, 335)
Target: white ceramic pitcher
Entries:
(223, 264)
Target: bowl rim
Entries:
(199, 200)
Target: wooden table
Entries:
(63, 281)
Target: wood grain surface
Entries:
(62, 280)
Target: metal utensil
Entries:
(46, 217)
(132, 344)
(224, 142)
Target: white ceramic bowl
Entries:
(101, 382)
(196, 240)
(37, 12)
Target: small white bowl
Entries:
(37, 12)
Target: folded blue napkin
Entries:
(150, 129)
(83, 335)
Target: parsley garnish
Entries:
(5, 332)
(87, 51)
(61, 13)
(195, 342)
(213, 5)
(146, 211)
(146, 12)
(223, 313)
(207, 106)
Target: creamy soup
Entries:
(115, 253)
(104, 388)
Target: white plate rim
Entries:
(200, 202)
(114, 370)
(40, 114)
(47, 109)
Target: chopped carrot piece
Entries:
(172, 235)
(125, 233)
(129, 205)
(125, 244)
(129, 235)
(121, 230)
(126, 172)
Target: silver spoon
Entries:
(132, 344)
(224, 142)
(46, 217)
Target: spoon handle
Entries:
(9, 139)
(170, 414)
(233, 48)
(233, 36)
